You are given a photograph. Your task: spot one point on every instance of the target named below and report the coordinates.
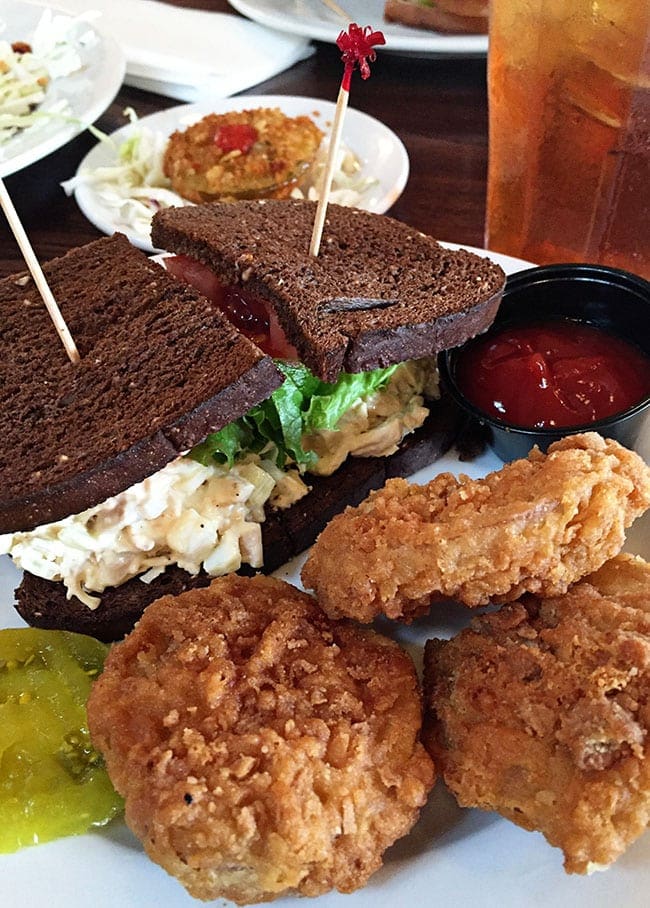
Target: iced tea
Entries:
(569, 155)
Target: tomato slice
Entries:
(249, 313)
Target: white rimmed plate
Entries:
(314, 19)
(88, 91)
(464, 858)
(382, 154)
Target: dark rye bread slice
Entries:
(378, 292)
(160, 369)
(43, 603)
(461, 16)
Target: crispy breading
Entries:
(241, 154)
(541, 711)
(261, 749)
(625, 577)
(537, 525)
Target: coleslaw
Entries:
(134, 186)
(28, 71)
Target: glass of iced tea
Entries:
(569, 146)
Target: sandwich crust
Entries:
(160, 369)
(262, 750)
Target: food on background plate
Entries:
(261, 749)
(52, 780)
(460, 16)
(103, 511)
(537, 525)
(134, 186)
(541, 712)
(27, 70)
(243, 154)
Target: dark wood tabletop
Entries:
(438, 107)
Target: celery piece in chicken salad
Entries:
(28, 70)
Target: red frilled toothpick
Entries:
(357, 45)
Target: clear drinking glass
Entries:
(569, 146)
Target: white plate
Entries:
(88, 91)
(313, 19)
(382, 154)
(190, 54)
(464, 858)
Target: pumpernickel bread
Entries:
(378, 292)
(285, 533)
(459, 16)
(160, 369)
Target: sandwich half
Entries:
(458, 16)
(187, 444)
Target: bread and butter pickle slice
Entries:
(52, 781)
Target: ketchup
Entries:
(553, 374)
(236, 137)
(250, 314)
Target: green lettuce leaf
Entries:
(301, 405)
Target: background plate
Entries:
(382, 154)
(452, 857)
(313, 19)
(88, 91)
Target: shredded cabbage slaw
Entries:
(25, 78)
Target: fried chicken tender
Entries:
(261, 749)
(625, 578)
(541, 711)
(537, 525)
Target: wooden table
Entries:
(438, 107)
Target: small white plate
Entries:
(382, 154)
(88, 91)
(314, 19)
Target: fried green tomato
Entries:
(262, 749)
(52, 781)
(246, 154)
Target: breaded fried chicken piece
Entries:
(626, 578)
(541, 711)
(261, 748)
(537, 525)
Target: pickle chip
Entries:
(52, 781)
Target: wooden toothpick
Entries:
(357, 45)
(37, 273)
(337, 9)
(326, 185)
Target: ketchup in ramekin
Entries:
(569, 352)
(556, 373)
